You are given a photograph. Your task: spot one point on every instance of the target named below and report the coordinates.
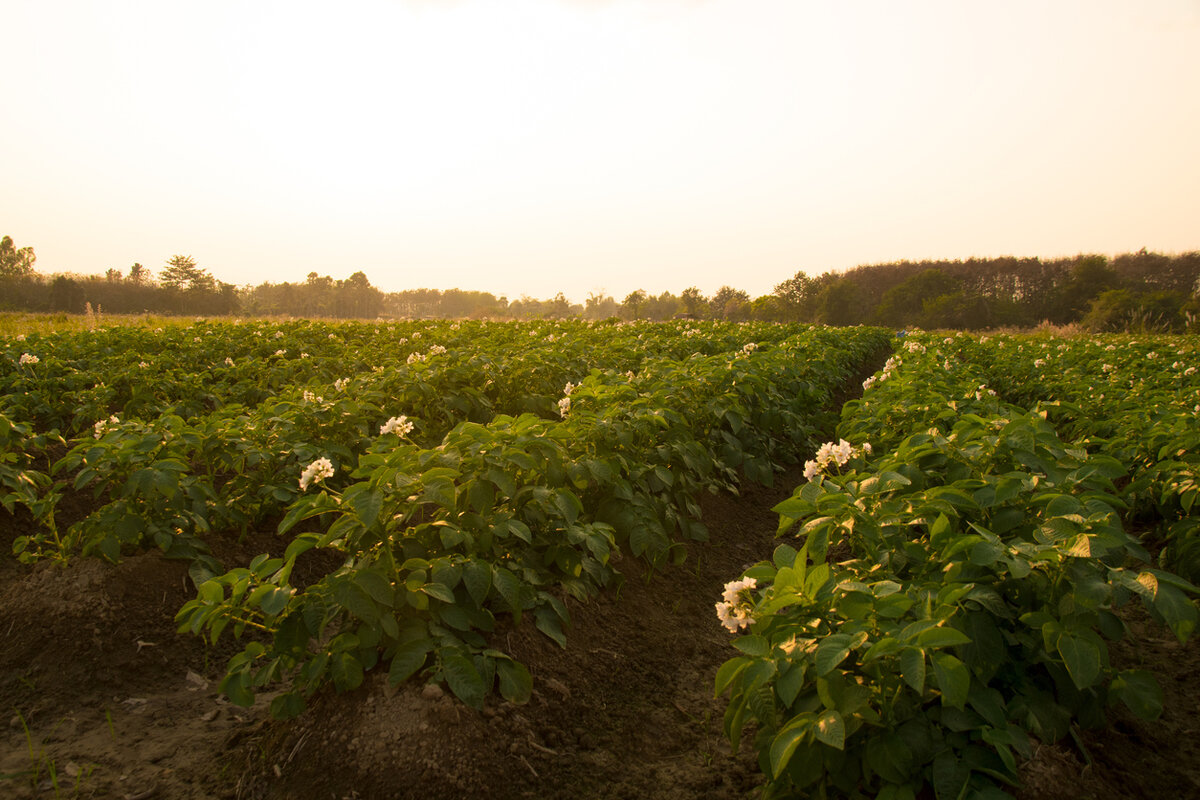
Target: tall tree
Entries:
(693, 301)
(15, 263)
(633, 302)
(182, 273)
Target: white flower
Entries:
(750, 348)
(437, 349)
(316, 472)
(1190, 371)
(228, 361)
(734, 610)
(143, 364)
(570, 387)
(196, 339)
(413, 358)
(340, 384)
(564, 405)
(309, 397)
(1152, 355)
(278, 334)
(397, 425)
(281, 352)
(20, 337)
(1039, 362)
(101, 427)
(304, 355)
(27, 358)
(811, 470)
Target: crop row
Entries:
(493, 475)
(980, 564)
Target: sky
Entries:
(528, 147)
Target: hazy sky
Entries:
(536, 146)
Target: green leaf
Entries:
(462, 677)
(728, 672)
(508, 586)
(376, 586)
(786, 741)
(1082, 658)
(832, 651)
(953, 678)
(831, 729)
(439, 591)
(1138, 690)
(912, 668)
(477, 577)
(346, 671)
(753, 645)
(516, 684)
(942, 637)
(236, 686)
(366, 504)
(408, 658)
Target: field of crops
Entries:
(465, 519)
(994, 502)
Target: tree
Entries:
(15, 263)
(729, 303)
(599, 306)
(138, 275)
(693, 301)
(905, 304)
(633, 303)
(113, 275)
(182, 273)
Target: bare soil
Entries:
(102, 699)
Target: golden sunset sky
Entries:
(537, 146)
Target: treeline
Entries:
(1134, 291)
(1143, 290)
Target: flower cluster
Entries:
(749, 348)
(101, 427)
(27, 358)
(340, 384)
(564, 405)
(414, 358)
(316, 472)
(436, 350)
(309, 397)
(888, 370)
(831, 454)
(984, 391)
(736, 605)
(397, 425)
